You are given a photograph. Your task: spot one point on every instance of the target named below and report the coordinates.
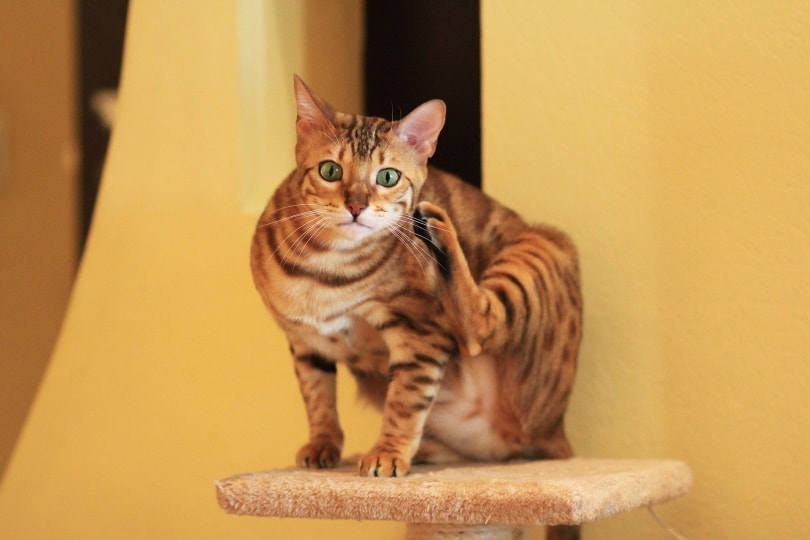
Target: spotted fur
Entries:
(459, 321)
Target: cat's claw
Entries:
(379, 463)
(318, 455)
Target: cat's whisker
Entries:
(282, 208)
(314, 228)
(291, 246)
(296, 205)
(293, 232)
(407, 233)
(419, 251)
(410, 245)
(427, 239)
(406, 223)
(293, 216)
(314, 231)
(414, 220)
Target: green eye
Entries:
(330, 171)
(388, 177)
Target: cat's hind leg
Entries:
(433, 225)
(433, 451)
(475, 313)
(530, 285)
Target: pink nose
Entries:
(355, 207)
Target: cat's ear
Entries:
(314, 114)
(422, 126)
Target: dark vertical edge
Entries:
(100, 33)
(418, 50)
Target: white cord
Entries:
(664, 526)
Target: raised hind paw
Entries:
(432, 224)
(318, 455)
(383, 463)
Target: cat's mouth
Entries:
(355, 229)
(354, 224)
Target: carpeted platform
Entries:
(538, 492)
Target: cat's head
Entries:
(365, 173)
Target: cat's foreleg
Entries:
(414, 380)
(317, 381)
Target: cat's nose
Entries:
(355, 207)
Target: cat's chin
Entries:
(355, 231)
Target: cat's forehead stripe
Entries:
(365, 135)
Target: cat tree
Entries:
(465, 501)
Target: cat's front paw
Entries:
(318, 455)
(383, 463)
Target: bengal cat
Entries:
(459, 321)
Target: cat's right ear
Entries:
(420, 129)
(314, 114)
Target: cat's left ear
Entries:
(314, 114)
(422, 126)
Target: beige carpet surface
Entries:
(538, 492)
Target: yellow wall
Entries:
(169, 374)
(672, 139)
(279, 38)
(37, 197)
